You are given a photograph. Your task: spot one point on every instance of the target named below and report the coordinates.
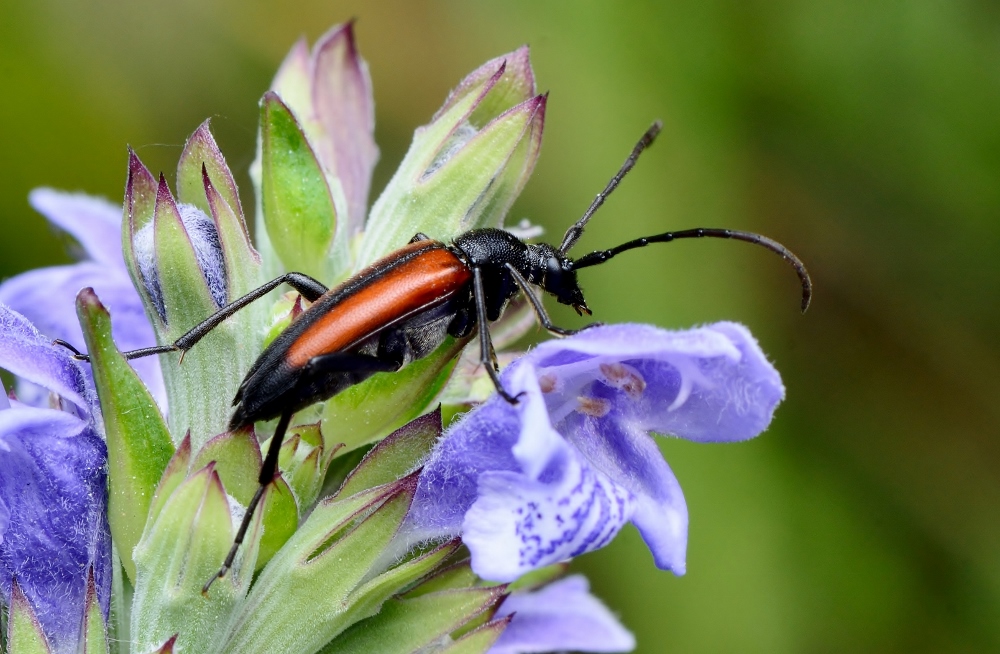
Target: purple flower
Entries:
(560, 616)
(559, 473)
(47, 296)
(53, 524)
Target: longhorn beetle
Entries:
(402, 307)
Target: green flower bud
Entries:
(188, 259)
(188, 535)
(466, 167)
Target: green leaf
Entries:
(396, 455)
(384, 402)
(139, 445)
(304, 596)
(296, 195)
(24, 633)
(410, 625)
(180, 551)
(95, 637)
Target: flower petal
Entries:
(94, 222)
(709, 384)
(32, 357)
(630, 457)
(558, 617)
(47, 296)
(53, 486)
(344, 106)
(556, 507)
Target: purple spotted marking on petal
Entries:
(584, 462)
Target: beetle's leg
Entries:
(304, 284)
(536, 303)
(485, 345)
(419, 236)
(267, 473)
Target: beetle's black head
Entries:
(554, 272)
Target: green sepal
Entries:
(139, 208)
(173, 476)
(201, 157)
(370, 410)
(454, 577)
(181, 550)
(238, 462)
(395, 456)
(457, 173)
(310, 590)
(403, 625)
(535, 579)
(139, 445)
(214, 366)
(477, 641)
(297, 197)
(24, 632)
(279, 515)
(168, 646)
(121, 605)
(368, 599)
(304, 460)
(243, 267)
(186, 296)
(95, 634)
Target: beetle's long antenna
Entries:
(574, 232)
(600, 256)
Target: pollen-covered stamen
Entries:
(595, 407)
(548, 382)
(625, 378)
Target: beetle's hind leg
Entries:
(267, 474)
(304, 284)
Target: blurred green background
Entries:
(864, 135)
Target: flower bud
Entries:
(189, 259)
(465, 168)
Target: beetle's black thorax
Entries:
(493, 250)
